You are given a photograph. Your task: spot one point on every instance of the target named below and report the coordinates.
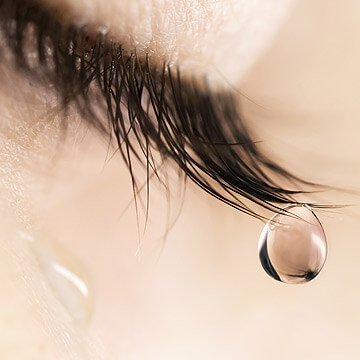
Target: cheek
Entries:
(33, 322)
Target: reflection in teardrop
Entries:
(293, 248)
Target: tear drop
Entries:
(292, 246)
(68, 279)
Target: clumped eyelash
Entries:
(149, 108)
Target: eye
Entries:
(147, 108)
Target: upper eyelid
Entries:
(183, 119)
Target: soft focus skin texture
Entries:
(197, 35)
(203, 295)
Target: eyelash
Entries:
(182, 119)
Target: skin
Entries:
(202, 294)
(192, 34)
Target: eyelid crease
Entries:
(148, 108)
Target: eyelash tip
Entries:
(149, 105)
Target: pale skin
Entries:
(202, 295)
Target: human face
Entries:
(293, 67)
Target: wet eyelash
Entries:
(148, 108)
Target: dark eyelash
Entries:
(183, 119)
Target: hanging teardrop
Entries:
(292, 245)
